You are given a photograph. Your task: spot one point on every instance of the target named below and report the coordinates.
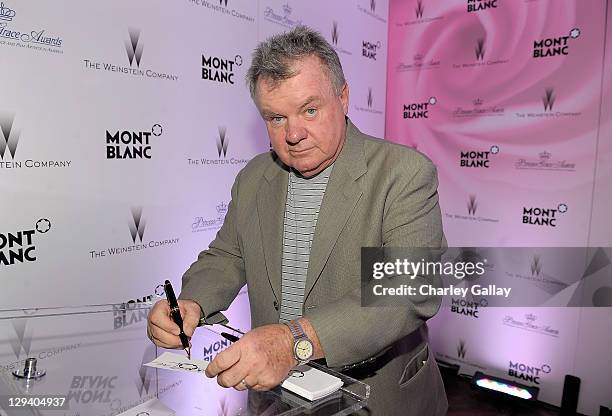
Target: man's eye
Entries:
(311, 111)
(277, 120)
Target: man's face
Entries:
(304, 117)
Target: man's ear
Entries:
(344, 98)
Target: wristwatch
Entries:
(302, 345)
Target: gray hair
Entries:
(273, 58)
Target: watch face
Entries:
(303, 349)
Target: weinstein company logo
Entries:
(220, 70)
(547, 47)
(420, 16)
(20, 246)
(472, 206)
(479, 5)
(207, 224)
(282, 18)
(370, 10)
(544, 161)
(370, 107)
(134, 49)
(480, 54)
(335, 37)
(222, 145)
(136, 226)
(477, 159)
(418, 110)
(418, 64)
(223, 7)
(544, 217)
(549, 101)
(35, 39)
(478, 109)
(529, 324)
(9, 140)
(130, 144)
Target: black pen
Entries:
(175, 313)
(229, 337)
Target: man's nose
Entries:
(295, 132)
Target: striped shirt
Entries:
(304, 197)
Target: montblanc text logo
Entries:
(91, 389)
(136, 226)
(477, 159)
(9, 139)
(543, 48)
(37, 39)
(219, 69)
(20, 246)
(529, 373)
(130, 144)
(546, 217)
(214, 348)
(133, 48)
(468, 308)
(478, 5)
(135, 310)
(419, 109)
(370, 49)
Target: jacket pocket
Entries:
(416, 367)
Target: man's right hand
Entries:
(162, 330)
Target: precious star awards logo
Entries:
(34, 39)
(223, 8)
(480, 53)
(335, 37)
(478, 109)
(418, 110)
(222, 70)
(543, 217)
(529, 324)
(549, 105)
(206, 223)
(526, 372)
(557, 46)
(222, 145)
(20, 246)
(370, 107)
(479, 5)
(370, 9)
(136, 226)
(545, 161)
(477, 159)
(133, 50)
(417, 64)
(282, 18)
(10, 136)
(131, 144)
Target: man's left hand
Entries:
(261, 359)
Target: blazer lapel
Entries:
(271, 198)
(341, 195)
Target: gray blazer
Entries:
(379, 194)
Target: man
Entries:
(294, 231)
